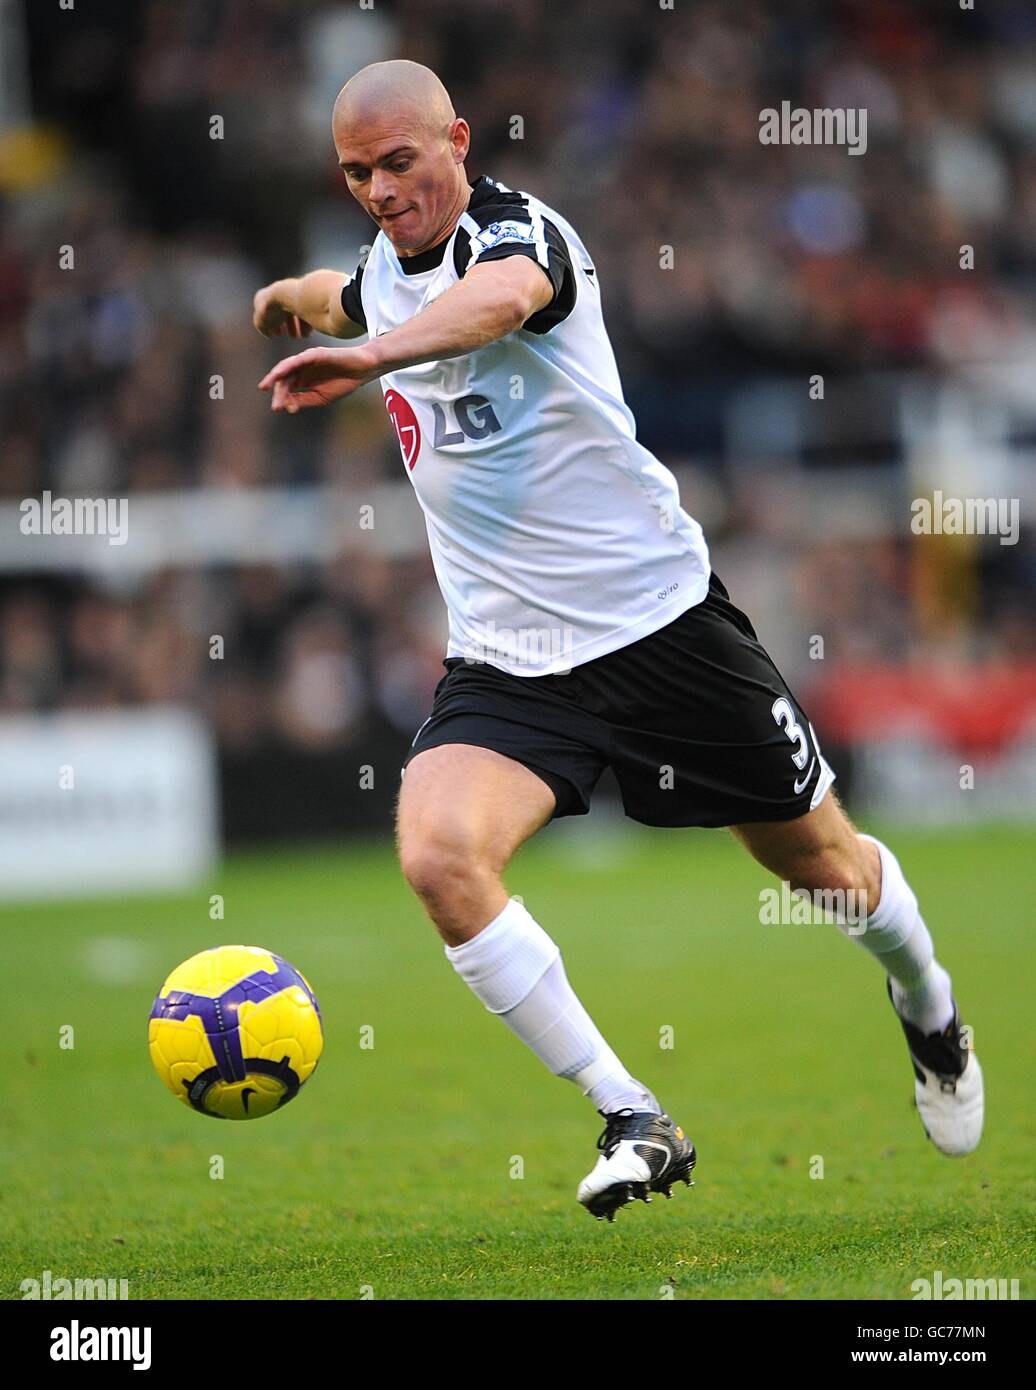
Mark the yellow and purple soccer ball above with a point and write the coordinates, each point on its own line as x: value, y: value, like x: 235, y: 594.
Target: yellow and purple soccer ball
x: 235, y: 1032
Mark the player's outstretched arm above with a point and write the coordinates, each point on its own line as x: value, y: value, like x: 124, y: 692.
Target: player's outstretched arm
x: 492, y: 300
x: 292, y: 308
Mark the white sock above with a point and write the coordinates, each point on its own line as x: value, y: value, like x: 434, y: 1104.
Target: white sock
x: 516, y: 970
x: 898, y: 938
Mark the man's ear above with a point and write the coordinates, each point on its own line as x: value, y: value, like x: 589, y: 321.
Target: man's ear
x: 460, y: 139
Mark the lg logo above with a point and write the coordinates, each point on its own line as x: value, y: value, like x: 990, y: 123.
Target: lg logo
x: 473, y: 417
x: 467, y: 418
x: 408, y: 431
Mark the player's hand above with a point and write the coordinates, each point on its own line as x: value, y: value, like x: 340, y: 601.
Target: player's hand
x: 273, y: 319
x: 318, y: 376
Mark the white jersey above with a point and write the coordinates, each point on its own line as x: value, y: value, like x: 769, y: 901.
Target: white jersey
x: 555, y: 536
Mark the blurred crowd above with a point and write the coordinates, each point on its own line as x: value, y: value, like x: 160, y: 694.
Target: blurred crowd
x: 181, y: 150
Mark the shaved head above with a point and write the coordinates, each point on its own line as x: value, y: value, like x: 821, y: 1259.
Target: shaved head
x: 410, y: 91
x: 402, y: 148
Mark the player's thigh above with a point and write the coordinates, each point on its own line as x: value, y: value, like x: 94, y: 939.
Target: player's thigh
x: 468, y: 801
x: 821, y: 844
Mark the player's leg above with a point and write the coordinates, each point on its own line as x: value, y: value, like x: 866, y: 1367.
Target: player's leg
x: 463, y: 812
x: 821, y: 851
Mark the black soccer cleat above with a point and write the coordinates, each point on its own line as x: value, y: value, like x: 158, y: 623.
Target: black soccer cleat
x: 948, y: 1085
x: 641, y: 1153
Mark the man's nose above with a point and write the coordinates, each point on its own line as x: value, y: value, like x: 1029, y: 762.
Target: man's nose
x: 383, y: 187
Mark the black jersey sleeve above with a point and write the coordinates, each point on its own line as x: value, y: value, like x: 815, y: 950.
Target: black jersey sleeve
x: 510, y: 228
x: 352, y: 304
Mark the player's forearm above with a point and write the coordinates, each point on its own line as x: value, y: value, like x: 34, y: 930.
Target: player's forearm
x: 317, y: 298
x: 469, y: 315
x: 490, y: 302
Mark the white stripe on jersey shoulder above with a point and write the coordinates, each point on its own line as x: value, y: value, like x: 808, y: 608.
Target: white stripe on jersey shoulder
x: 473, y: 229
x: 539, y: 236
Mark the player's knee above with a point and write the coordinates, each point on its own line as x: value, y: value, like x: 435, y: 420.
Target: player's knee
x: 439, y: 868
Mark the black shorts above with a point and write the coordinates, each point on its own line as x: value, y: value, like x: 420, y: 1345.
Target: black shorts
x: 695, y: 721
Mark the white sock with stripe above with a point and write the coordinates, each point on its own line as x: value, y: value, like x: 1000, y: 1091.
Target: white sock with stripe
x: 515, y: 969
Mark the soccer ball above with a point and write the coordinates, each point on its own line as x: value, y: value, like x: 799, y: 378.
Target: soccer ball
x: 235, y: 1032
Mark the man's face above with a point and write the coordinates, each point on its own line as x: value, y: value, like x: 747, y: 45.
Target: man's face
x: 409, y: 180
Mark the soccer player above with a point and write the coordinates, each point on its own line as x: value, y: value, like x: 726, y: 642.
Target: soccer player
x: 586, y: 629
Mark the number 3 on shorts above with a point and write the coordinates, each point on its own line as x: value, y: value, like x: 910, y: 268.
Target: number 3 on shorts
x: 785, y: 716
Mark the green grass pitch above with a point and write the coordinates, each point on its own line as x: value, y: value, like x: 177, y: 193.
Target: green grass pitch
x: 394, y: 1170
